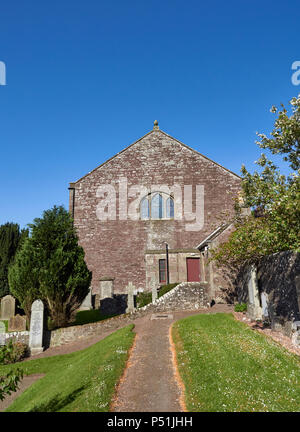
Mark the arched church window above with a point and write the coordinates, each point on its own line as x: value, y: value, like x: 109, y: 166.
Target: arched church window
x: 157, y: 205
x: 170, y: 208
x: 145, y: 208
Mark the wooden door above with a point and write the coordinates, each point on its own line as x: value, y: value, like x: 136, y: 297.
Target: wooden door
x: 193, y: 269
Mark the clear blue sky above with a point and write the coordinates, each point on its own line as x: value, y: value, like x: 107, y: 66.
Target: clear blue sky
x: 87, y: 78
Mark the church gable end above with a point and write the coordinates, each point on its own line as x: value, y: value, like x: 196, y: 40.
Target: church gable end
x: 130, y: 247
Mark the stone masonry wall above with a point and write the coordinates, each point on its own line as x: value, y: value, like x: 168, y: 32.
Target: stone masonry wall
x: 185, y: 296
x: 18, y: 336
x: 69, y: 334
x: 278, y: 277
x: 277, y: 288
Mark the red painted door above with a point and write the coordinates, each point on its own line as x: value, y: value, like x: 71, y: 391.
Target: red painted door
x: 193, y: 269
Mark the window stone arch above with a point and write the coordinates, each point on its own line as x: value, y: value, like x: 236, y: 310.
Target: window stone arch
x: 157, y: 205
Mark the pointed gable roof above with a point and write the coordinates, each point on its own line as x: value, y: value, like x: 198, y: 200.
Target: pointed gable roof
x: 154, y: 130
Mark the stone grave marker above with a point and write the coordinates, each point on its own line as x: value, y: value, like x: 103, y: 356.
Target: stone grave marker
x: 2, y: 333
x: 17, y: 323
x: 106, y: 289
x: 36, y: 327
x: 87, y: 302
x: 130, y: 297
x: 8, y: 305
x: 154, y: 290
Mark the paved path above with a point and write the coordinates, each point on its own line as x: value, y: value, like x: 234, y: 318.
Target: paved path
x: 149, y: 383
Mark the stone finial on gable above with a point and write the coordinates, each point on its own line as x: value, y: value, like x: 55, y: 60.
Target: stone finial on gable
x: 155, y: 127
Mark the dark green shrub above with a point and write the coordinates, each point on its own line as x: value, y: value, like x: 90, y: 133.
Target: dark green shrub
x: 13, y: 352
x: 89, y: 316
x: 143, y: 298
x: 240, y: 307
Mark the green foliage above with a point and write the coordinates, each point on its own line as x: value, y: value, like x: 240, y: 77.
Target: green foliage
x: 166, y: 288
x: 13, y: 352
x: 143, y: 298
x: 10, y: 240
x: 240, y: 307
x: 50, y: 266
x: 9, y: 381
x: 5, y: 322
x: 285, y: 137
x: 274, y: 224
x: 23, y: 276
x: 226, y: 366
x: 83, y: 381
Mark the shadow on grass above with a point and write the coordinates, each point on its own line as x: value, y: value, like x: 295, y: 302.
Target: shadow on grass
x: 57, y: 402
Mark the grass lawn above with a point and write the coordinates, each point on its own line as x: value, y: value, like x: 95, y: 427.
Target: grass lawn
x: 226, y: 366
x: 81, y: 381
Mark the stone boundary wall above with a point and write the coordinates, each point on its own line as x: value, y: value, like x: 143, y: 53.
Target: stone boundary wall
x: 272, y: 290
x: 17, y: 336
x: 70, y: 334
x: 185, y: 296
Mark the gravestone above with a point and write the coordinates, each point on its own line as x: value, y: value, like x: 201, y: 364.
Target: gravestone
x: 2, y: 333
x: 8, y: 305
x: 87, y: 302
x: 264, y: 305
x: 130, y: 297
x: 154, y: 290
x: 106, y: 288
x: 254, y: 308
x: 17, y: 323
x: 36, y: 327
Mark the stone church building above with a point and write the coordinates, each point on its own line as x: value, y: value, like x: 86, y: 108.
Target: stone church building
x: 148, y: 214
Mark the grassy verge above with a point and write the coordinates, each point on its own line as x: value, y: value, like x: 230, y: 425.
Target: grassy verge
x: 89, y: 316
x: 81, y: 381
x: 226, y: 366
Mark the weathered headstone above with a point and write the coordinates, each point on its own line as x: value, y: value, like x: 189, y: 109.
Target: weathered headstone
x: 87, y: 302
x: 8, y: 306
x: 154, y: 290
x: 254, y: 308
x: 17, y: 323
x: 130, y: 297
x: 36, y: 327
x: 106, y: 289
x: 264, y: 305
x: 2, y: 333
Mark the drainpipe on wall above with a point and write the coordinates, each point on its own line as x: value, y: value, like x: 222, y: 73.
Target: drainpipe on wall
x: 72, y: 200
x: 167, y: 263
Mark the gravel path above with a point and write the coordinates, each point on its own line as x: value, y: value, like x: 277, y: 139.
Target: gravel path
x: 150, y: 382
